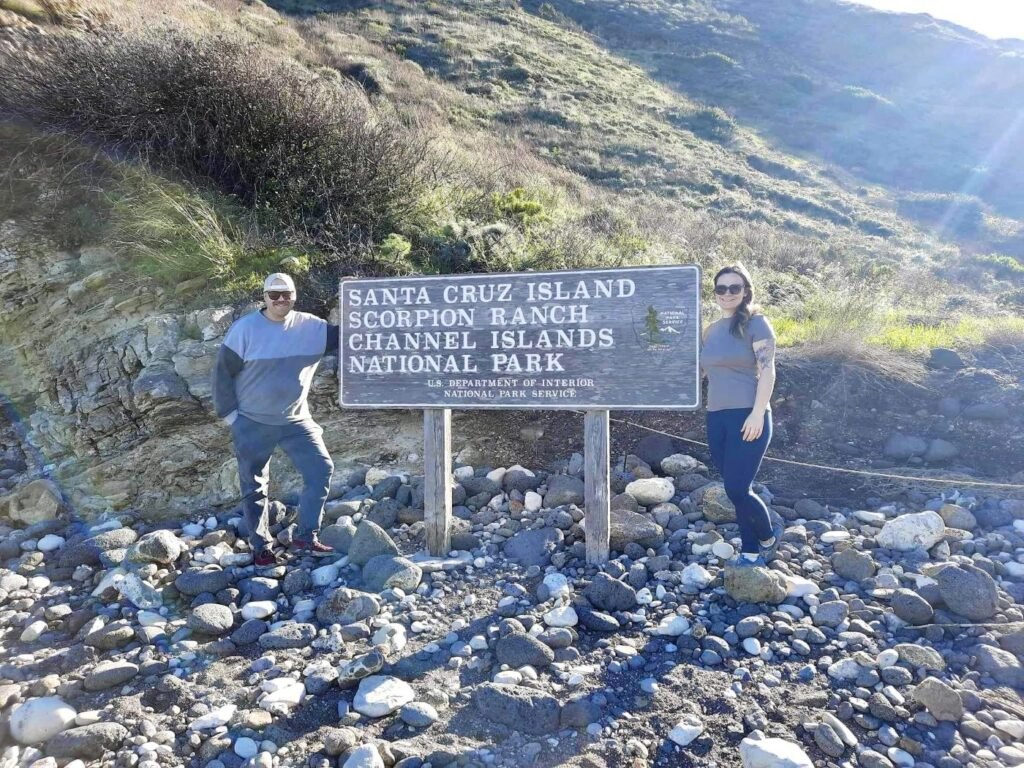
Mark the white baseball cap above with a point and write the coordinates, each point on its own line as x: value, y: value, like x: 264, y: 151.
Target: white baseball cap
x: 279, y: 281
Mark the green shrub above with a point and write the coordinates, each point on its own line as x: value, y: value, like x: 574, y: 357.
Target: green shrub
x: 518, y: 206
x: 1003, y: 267
x: 710, y: 123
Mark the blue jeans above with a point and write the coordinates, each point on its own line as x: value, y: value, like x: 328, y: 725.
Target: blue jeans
x: 303, y: 443
x: 738, y: 461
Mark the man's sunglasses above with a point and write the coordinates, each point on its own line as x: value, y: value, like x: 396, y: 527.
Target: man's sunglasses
x: 275, y: 295
x: 734, y: 289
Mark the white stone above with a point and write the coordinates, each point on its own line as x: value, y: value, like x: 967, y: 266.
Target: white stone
x: 150, y: 619
x: 752, y: 646
x: 563, y: 616
x: 365, y: 756
x: 901, y: 757
x: 39, y: 583
x: 723, y: 550
x: 214, y: 719
x: 887, y: 658
x: 391, y: 635
x: 871, y: 518
x: 39, y: 720
x: 649, y: 491
x: 32, y: 632
x: 1014, y: 570
x: 290, y: 695
x: 773, y: 753
x: 798, y: 586
x: 644, y: 596
x: 497, y: 475
x: 1015, y: 728
x: 50, y: 542
x: 557, y: 584
x: 672, y: 626
x: 695, y: 576
x: 192, y: 530
x: 911, y: 531
x: 844, y: 669
x: 324, y: 575
x: 533, y: 501
x: 686, y: 730
x: 461, y: 473
x: 246, y: 747
x: 833, y: 537
x: 13, y: 581
x: 375, y: 475
x: 380, y: 695
x: 509, y: 677
x: 478, y: 643
x: 259, y: 609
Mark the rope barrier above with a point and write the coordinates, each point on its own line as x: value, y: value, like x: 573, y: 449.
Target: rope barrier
x: 864, y: 472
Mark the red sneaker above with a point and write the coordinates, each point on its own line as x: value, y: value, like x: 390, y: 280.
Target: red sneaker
x: 265, y: 558
x: 314, y: 546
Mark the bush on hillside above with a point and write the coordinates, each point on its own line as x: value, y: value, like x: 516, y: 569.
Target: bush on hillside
x: 310, y: 151
x: 957, y: 215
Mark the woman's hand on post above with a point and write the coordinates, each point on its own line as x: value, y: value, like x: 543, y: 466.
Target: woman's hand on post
x: 753, y: 426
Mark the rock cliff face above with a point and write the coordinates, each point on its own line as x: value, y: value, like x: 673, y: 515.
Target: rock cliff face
x: 110, y: 381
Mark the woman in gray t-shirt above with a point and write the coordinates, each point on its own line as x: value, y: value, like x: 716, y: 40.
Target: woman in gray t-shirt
x: 738, y: 357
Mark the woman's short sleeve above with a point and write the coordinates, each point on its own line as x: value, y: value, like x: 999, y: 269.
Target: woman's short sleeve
x: 760, y: 329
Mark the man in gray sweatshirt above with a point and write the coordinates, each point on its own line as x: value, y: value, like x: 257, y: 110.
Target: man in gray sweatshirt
x: 260, y: 386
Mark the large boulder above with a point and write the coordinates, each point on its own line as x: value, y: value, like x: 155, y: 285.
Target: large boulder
x: 534, y: 546
x: 755, y: 585
x: 380, y: 695
x: 941, y: 701
x: 161, y: 547
x: 519, y: 649
x: 387, y: 571
x: 854, y: 565
x: 369, y: 541
x: 716, y: 504
x: 914, y: 530
x: 969, y: 591
x: 562, y: 490
x: 629, y: 527
x: 346, y: 606
x: 36, y: 502
x: 87, y: 742
x: 902, y: 447
x: 608, y: 594
x: 38, y: 720
x: 1002, y: 666
x: 650, y: 491
x: 522, y: 709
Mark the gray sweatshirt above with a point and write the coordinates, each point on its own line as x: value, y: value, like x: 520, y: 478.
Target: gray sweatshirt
x: 264, y: 369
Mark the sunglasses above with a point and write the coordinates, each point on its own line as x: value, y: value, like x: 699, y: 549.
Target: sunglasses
x: 734, y: 289
x: 275, y: 295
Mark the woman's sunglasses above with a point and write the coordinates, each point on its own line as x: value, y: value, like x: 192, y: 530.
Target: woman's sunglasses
x: 275, y: 295
x: 734, y: 289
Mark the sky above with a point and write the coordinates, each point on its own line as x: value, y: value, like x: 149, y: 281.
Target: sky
x: 995, y: 18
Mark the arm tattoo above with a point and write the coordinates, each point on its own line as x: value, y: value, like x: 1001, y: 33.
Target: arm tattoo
x: 764, y: 353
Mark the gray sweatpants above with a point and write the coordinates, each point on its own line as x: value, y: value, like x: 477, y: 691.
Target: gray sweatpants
x: 303, y: 443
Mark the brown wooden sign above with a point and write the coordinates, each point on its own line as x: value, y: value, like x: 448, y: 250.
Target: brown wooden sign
x: 608, y: 338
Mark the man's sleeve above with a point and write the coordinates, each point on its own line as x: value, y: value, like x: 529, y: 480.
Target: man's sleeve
x: 225, y: 399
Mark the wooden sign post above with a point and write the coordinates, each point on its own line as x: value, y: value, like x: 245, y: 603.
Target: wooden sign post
x: 597, y: 486
x: 591, y: 340
x: 437, y: 486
